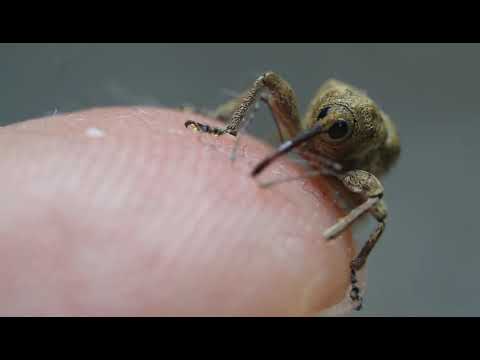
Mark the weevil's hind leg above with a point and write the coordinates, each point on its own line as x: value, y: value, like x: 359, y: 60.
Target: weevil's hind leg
x: 281, y: 101
x: 367, y: 185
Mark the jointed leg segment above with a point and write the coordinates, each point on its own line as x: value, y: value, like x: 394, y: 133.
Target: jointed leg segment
x: 367, y: 185
x: 281, y: 101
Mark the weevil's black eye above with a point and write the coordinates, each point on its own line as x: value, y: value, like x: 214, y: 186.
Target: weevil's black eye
x: 339, y: 129
x: 323, y: 112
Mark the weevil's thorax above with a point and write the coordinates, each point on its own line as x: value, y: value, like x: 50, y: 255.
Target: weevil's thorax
x: 366, y: 129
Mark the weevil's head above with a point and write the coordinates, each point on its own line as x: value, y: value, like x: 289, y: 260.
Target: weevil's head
x: 352, y: 123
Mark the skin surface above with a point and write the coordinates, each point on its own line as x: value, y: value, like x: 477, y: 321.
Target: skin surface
x: 124, y: 211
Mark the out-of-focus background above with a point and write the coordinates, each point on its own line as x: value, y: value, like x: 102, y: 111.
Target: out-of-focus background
x: 428, y: 260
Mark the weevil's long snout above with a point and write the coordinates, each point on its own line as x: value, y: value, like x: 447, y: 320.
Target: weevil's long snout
x: 286, y: 147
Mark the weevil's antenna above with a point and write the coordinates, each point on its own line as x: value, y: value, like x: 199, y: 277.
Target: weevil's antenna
x: 286, y: 147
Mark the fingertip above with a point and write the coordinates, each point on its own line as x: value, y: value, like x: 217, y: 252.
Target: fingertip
x: 215, y: 242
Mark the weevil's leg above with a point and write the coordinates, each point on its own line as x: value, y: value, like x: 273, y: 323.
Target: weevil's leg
x: 379, y: 211
x: 225, y: 111
x: 359, y: 182
x: 355, y: 291
x: 367, y: 185
x: 282, y: 102
x: 251, y: 116
x: 347, y: 220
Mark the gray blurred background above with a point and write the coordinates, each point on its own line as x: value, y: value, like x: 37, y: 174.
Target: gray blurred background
x: 427, y: 261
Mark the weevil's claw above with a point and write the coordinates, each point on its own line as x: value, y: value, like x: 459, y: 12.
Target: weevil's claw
x: 359, y: 306
x: 355, y: 292
x: 189, y: 124
x: 196, y: 126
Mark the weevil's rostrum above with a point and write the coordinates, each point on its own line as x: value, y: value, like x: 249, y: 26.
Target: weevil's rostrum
x: 344, y: 134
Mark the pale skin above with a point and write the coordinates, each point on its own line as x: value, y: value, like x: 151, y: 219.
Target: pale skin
x: 122, y: 211
x: 344, y: 134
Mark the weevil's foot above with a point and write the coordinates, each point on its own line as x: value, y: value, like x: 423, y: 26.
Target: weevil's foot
x: 196, y: 126
x: 359, y: 305
x: 357, y: 300
x: 355, y: 292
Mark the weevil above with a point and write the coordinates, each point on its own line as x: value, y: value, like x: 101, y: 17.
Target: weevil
x: 344, y: 134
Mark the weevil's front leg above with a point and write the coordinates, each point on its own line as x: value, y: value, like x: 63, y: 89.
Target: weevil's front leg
x: 362, y: 256
x: 380, y: 213
x: 224, y: 111
x: 367, y: 185
x: 281, y: 101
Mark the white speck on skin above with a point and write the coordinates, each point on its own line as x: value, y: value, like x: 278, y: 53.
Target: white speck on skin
x: 94, y: 132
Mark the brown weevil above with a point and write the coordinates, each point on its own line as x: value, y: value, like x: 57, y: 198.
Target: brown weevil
x: 344, y: 134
